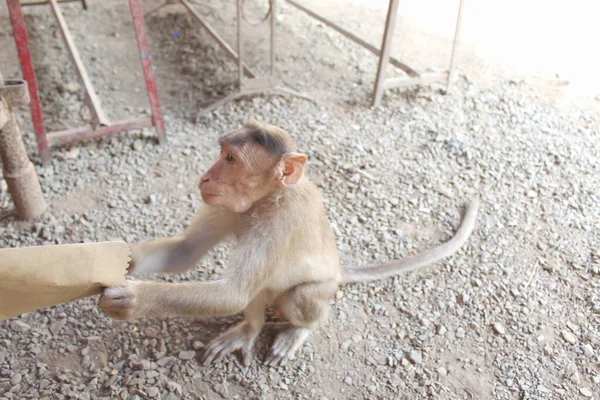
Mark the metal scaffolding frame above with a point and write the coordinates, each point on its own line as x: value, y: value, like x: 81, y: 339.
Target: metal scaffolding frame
x: 100, y: 126
x: 384, y: 53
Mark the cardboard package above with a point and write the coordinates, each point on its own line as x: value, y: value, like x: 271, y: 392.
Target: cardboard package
x: 32, y: 278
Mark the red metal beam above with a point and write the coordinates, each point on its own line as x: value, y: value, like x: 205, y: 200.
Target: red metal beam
x: 87, y: 132
x: 45, y: 2
x: 44, y: 139
x: 142, y: 40
x: 22, y: 41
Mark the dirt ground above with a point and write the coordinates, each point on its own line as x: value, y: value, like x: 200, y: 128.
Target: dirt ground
x: 515, y: 314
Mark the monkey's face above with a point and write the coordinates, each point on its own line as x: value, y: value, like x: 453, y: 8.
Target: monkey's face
x: 241, y: 176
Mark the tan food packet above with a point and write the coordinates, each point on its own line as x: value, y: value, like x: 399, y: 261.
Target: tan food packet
x: 41, y: 276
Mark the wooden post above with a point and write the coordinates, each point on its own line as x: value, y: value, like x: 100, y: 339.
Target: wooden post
x: 18, y: 171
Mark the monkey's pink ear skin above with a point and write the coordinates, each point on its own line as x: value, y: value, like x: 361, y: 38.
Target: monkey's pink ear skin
x: 293, y: 168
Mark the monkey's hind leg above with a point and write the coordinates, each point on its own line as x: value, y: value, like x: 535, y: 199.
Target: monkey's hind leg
x: 304, y: 306
x: 240, y: 337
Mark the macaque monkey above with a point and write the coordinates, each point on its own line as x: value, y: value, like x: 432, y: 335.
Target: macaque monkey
x: 286, y: 253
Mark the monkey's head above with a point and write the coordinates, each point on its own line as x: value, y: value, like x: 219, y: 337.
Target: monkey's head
x: 256, y: 161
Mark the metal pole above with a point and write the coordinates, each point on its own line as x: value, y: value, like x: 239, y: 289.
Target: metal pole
x: 396, y: 63
x: 91, y: 98
x: 273, y: 23
x: 230, y: 52
x: 18, y: 171
x: 386, y: 49
x: 146, y: 59
x: 240, y: 45
x: 455, y: 44
x: 22, y: 41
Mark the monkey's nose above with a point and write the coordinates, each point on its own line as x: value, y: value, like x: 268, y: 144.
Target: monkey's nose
x: 203, y: 179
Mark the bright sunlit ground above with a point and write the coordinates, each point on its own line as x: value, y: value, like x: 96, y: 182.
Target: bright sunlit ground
x: 551, y: 43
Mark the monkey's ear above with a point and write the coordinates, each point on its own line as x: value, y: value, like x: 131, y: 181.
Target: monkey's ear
x: 292, y: 168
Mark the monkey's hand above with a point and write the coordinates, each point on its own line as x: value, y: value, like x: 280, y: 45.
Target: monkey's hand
x: 122, y: 302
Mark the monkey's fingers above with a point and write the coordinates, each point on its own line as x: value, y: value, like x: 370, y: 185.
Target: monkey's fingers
x: 118, y: 302
x: 216, y: 352
x: 275, y: 360
x: 247, y: 354
x: 237, y: 338
x: 124, y: 293
x: 284, y: 346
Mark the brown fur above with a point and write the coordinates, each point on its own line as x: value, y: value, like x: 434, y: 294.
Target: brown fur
x: 285, y: 255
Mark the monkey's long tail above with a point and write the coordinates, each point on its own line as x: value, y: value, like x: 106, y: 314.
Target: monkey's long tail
x: 353, y: 273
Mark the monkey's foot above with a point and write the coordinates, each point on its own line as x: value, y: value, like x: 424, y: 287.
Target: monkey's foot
x: 289, y: 339
x: 240, y: 337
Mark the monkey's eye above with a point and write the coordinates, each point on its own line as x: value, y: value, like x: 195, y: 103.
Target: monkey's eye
x: 230, y: 159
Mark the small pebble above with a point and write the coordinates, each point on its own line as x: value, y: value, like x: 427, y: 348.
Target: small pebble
x: 16, y: 379
x: 346, y: 344
x: 197, y: 345
x: 588, y: 350
x: 72, y: 153
x: 441, y: 330
x: 531, y: 193
x: 165, y: 361
x: 151, y: 332
x: 187, y: 355
x: 19, y: 326
x: 415, y: 357
x: 499, y: 328
x: 569, y: 337
x: 543, y: 389
x: 138, y: 145
x: 173, y: 386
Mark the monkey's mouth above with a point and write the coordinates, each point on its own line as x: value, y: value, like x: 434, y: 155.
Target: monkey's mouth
x: 207, y: 194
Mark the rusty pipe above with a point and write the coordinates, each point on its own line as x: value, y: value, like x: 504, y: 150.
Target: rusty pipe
x: 18, y: 171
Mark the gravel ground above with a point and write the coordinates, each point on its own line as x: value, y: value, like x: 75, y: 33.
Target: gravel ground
x: 515, y: 314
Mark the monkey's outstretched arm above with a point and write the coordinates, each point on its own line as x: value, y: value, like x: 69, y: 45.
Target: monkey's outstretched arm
x: 177, y: 254
x: 136, y: 299
x: 395, y: 267
x: 249, y: 271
